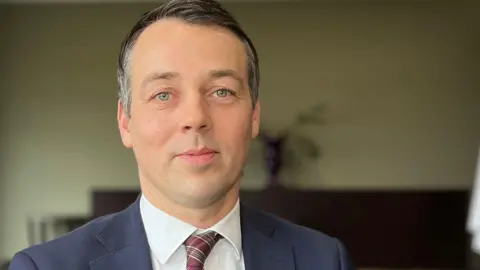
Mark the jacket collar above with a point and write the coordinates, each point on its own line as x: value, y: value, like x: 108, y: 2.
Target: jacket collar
x: 264, y: 245
x: 125, y: 241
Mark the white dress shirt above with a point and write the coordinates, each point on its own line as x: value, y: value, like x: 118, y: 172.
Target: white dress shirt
x: 166, y: 235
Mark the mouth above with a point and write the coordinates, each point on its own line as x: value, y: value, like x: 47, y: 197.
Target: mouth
x: 198, y: 157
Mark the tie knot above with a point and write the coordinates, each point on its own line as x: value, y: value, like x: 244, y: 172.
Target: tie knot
x: 198, y: 248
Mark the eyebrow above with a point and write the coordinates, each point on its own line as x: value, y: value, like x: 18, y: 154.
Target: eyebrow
x: 220, y: 73
x: 159, y: 76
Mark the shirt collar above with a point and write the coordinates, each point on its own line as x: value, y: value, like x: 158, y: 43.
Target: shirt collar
x: 166, y: 233
x: 229, y: 227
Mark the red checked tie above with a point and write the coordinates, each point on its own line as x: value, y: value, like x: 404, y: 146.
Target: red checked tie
x: 198, y: 248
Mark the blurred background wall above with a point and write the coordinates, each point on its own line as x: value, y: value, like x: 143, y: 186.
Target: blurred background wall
x: 399, y: 79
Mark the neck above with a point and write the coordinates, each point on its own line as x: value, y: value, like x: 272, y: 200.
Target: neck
x: 202, y: 217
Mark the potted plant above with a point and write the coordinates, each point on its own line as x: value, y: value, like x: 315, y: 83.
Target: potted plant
x: 275, y: 153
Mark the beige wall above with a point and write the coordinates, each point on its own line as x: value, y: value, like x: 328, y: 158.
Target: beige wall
x: 3, y: 130
x: 403, y: 100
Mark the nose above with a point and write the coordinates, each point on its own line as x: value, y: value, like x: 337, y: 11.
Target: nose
x: 195, y: 115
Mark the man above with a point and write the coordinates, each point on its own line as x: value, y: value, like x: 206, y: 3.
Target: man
x: 189, y: 109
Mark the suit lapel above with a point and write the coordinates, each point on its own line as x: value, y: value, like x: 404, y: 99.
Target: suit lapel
x: 126, y: 243
x: 131, y: 257
x: 262, y: 251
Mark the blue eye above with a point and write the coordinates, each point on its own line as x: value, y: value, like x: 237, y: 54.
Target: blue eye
x: 223, y: 92
x: 163, y: 96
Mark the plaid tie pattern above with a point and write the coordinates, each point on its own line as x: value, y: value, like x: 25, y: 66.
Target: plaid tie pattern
x: 198, y: 248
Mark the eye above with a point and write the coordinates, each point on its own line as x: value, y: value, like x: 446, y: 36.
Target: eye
x: 223, y: 93
x: 162, y: 96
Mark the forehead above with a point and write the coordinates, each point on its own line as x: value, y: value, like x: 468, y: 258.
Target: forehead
x: 173, y: 45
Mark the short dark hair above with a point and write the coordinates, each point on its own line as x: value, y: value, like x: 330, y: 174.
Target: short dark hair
x: 202, y: 12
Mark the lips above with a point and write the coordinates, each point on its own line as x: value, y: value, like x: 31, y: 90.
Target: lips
x: 198, y: 157
x: 199, y: 152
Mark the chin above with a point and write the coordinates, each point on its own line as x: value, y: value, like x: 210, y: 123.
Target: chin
x: 197, y: 201
x: 204, y: 193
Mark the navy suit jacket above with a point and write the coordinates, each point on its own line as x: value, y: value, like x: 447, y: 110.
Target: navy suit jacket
x: 118, y: 242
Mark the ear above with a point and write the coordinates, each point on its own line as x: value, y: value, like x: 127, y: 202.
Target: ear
x: 124, y: 125
x: 256, y: 120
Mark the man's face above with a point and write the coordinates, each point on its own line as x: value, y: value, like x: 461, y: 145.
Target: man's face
x: 192, y: 119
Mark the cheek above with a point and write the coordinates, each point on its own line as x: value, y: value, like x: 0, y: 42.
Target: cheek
x: 234, y: 131
x: 151, y: 130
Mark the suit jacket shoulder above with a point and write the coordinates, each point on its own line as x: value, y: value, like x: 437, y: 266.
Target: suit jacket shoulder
x: 310, y: 247
x: 71, y: 251
x: 115, y: 241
